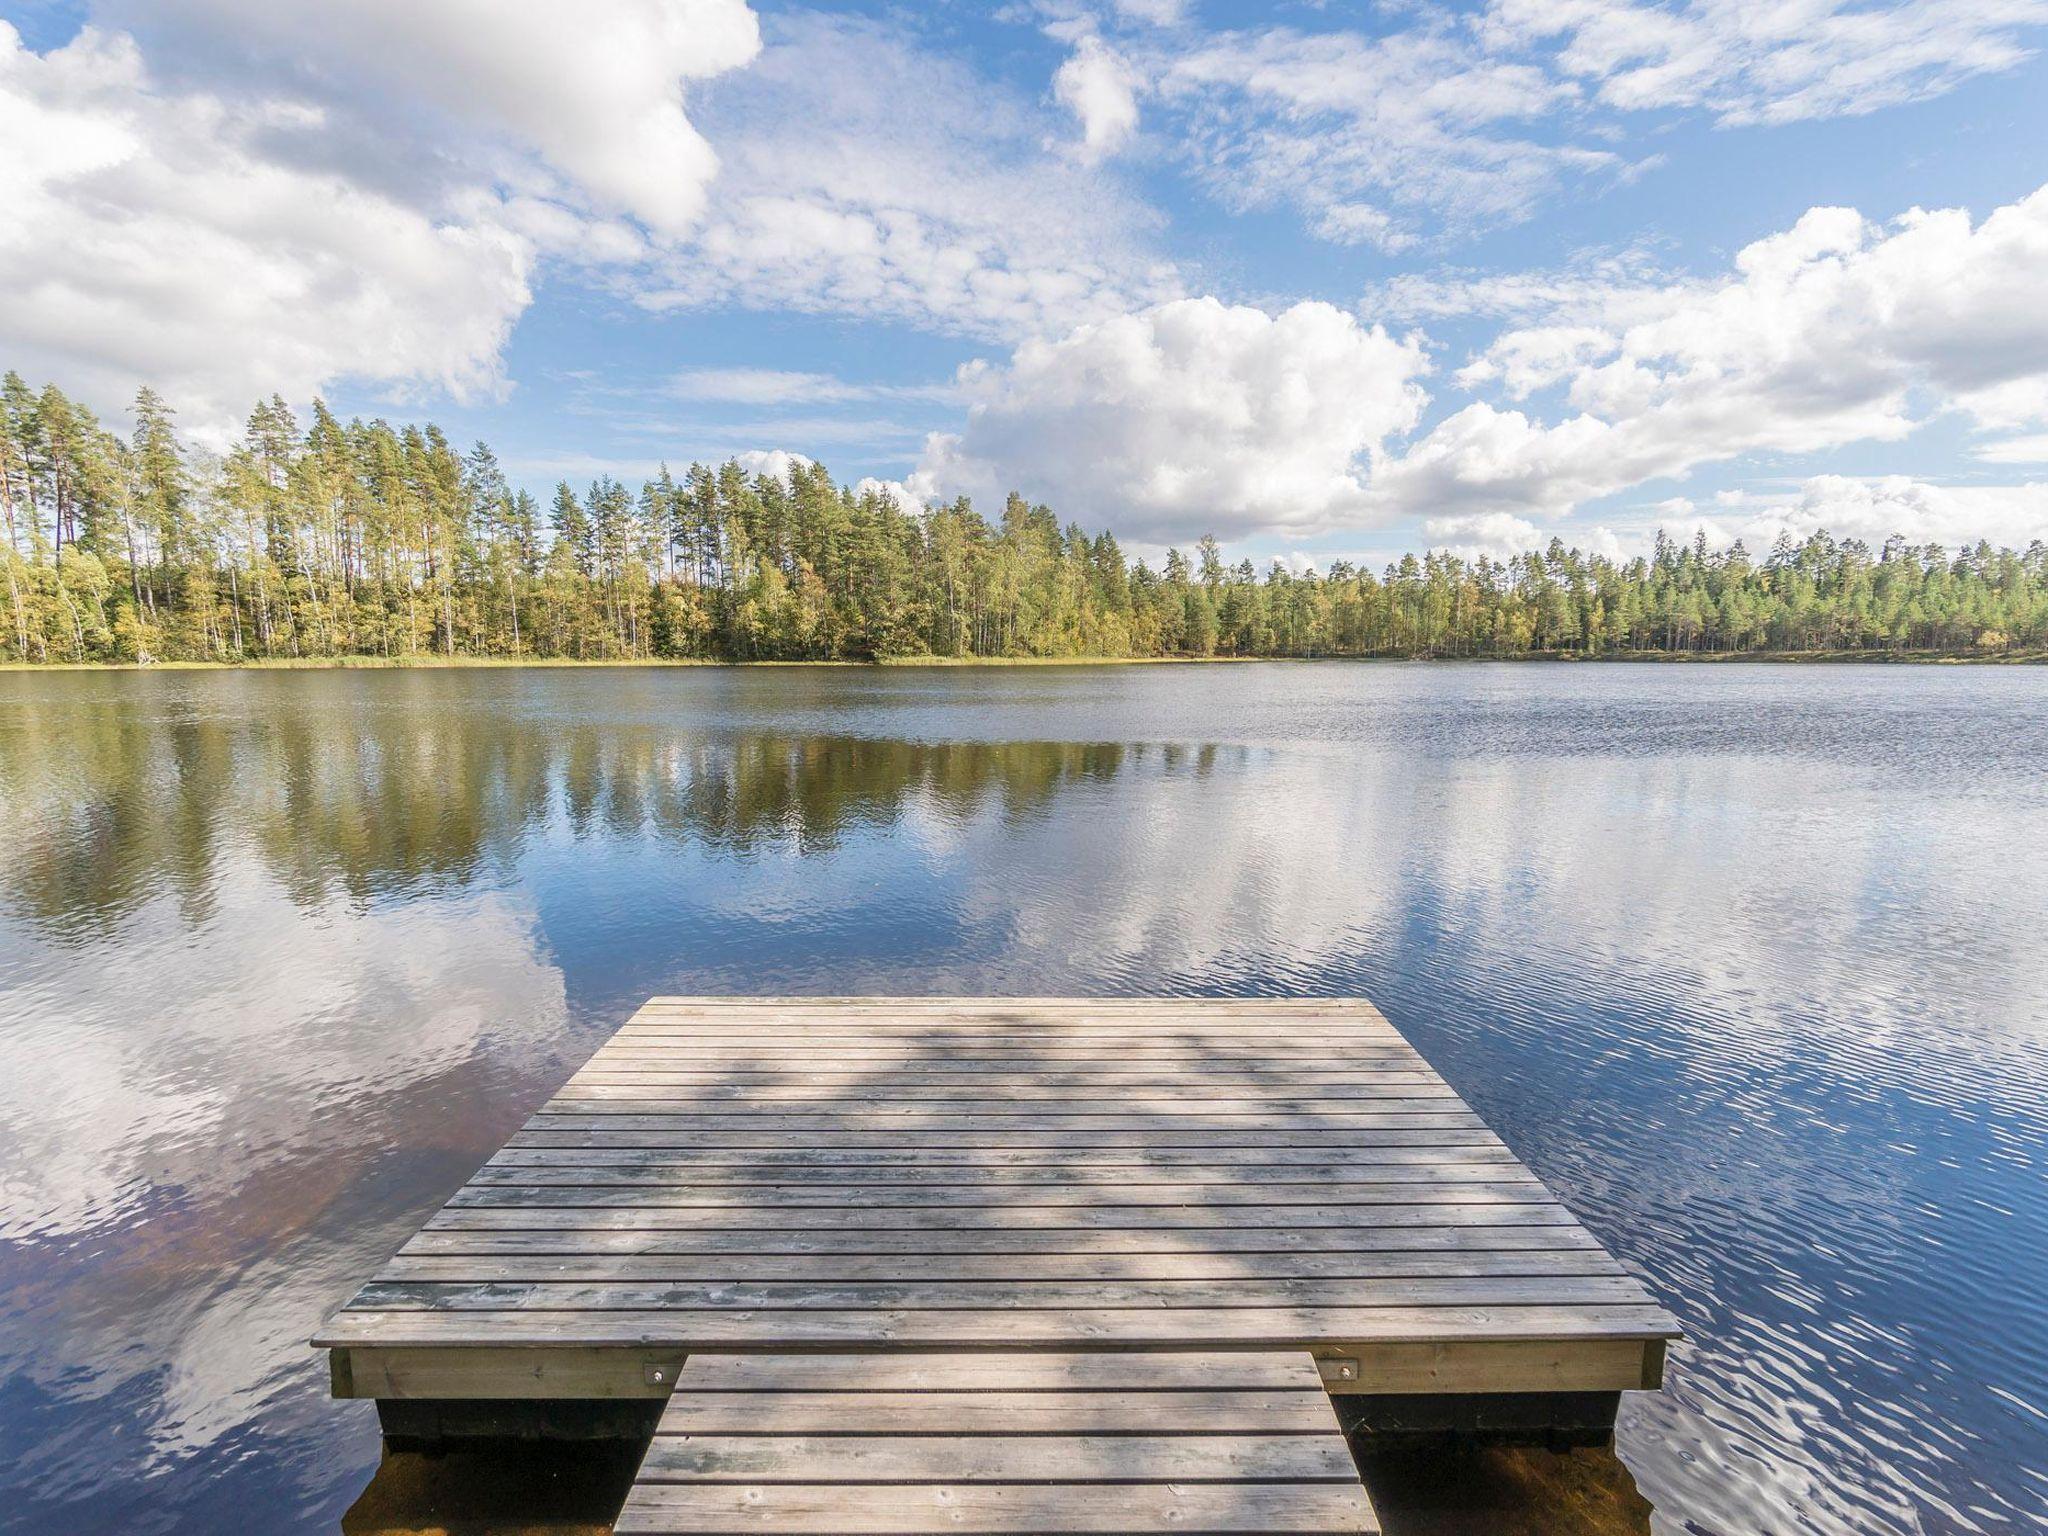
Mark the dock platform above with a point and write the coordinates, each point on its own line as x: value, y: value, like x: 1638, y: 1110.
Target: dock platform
x: 836, y: 1189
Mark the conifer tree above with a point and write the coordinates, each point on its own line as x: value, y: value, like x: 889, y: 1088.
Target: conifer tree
x: 332, y: 538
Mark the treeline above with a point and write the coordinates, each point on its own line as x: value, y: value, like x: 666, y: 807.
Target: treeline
x: 324, y: 538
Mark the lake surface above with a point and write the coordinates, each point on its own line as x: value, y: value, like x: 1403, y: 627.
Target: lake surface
x: 1749, y: 962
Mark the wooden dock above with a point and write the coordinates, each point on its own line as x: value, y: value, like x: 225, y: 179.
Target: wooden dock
x: 990, y: 1442
x: 834, y: 1191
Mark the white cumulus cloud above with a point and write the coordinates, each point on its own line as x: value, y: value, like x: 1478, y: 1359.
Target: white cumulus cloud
x: 1835, y: 331
x: 1494, y: 535
x: 231, y: 199
x: 1876, y: 508
x: 596, y: 89
x: 154, y: 236
x: 1099, y: 87
x: 775, y: 463
x: 1188, y: 417
x: 1872, y: 508
x: 901, y: 494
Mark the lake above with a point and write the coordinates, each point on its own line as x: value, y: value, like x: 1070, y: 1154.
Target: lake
x: 1750, y: 962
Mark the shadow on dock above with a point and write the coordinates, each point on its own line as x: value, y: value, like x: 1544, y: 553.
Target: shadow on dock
x: 528, y: 1489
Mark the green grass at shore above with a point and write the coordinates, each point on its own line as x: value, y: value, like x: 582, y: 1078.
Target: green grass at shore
x: 461, y: 663
x: 570, y: 663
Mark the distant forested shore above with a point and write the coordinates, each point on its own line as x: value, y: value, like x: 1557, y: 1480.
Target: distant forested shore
x: 324, y: 540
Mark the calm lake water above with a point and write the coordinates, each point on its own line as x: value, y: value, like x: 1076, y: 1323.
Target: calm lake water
x: 1749, y: 962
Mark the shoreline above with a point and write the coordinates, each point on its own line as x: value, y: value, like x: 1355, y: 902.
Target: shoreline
x: 490, y: 663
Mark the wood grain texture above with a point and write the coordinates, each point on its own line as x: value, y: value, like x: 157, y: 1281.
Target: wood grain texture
x: 919, y: 1174
x: 867, y: 1328
x: 997, y: 1443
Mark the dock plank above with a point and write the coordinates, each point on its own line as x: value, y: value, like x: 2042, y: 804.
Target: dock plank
x: 1222, y: 1244
x: 945, y: 1162
x: 955, y: 1267
x: 1013, y: 1216
x: 570, y: 1169
x: 1073, y: 1327
x: 969, y: 1295
x: 841, y: 1195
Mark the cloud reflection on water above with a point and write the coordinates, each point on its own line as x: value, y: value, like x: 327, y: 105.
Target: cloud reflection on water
x: 1747, y: 965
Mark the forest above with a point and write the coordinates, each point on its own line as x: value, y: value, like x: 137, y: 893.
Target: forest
x: 329, y: 539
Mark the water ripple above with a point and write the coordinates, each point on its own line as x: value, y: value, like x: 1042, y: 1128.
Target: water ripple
x: 1745, y: 961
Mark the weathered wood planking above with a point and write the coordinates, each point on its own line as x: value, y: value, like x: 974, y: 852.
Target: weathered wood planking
x: 998, y: 1443
x: 923, y: 1174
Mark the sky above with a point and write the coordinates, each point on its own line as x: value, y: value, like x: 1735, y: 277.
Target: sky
x: 1328, y: 281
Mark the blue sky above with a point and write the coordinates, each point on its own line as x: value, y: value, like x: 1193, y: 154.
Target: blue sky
x: 1328, y: 280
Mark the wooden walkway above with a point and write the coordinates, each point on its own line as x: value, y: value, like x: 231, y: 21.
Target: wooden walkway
x: 934, y: 1184
x: 903, y: 1443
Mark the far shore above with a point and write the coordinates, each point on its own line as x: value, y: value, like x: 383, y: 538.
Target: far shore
x: 430, y: 663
